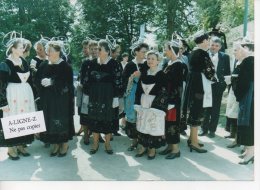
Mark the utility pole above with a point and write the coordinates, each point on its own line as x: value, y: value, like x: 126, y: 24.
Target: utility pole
x: 245, y: 17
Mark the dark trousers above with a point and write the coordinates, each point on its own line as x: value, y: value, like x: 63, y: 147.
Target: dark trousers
x: 211, y: 115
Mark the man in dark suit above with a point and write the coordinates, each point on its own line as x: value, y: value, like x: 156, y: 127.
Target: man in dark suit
x: 221, y: 62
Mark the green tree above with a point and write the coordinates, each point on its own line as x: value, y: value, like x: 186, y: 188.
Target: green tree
x: 35, y: 18
x: 232, y: 12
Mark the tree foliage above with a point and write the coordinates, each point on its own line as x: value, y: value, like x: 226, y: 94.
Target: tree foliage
x: 35, y: 18
x: 118, y: 18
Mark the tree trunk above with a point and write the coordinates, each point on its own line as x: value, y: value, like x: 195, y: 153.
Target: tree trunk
x: 170, y: 18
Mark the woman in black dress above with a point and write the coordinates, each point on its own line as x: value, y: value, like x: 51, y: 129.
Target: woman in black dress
x: 82, y: 104
x: 243, y: 87
x: 35, y: 64
x: 55, y: 81
x: 151, y: 107
x: 16, y: 96
x: 198, y: 90
x: 102, y: 82
x: 174, y: 75
x: 131, y: 75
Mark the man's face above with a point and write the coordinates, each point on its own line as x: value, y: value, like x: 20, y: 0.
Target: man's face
x: 214, y: 47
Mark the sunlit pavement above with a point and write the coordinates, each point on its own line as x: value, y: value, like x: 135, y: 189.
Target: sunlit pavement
x: 220, y: 163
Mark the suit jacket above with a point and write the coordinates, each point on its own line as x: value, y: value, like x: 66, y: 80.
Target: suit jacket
x: 223, y: 68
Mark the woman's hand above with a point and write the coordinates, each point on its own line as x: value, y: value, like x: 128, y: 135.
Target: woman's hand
x: 137, y: 74
x: 46, y: 82
x: 5, y: 109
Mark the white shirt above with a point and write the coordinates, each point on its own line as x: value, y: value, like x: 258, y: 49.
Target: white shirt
x: 214, y: 59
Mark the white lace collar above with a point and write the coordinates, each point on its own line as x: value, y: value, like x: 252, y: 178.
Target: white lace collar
x: 135, y: 61
x: 57, y: 62
x: 19, y: 63
x: 153, y: 73
x: 172, y: 62
x: 107, y: 60
x: 41, y: 58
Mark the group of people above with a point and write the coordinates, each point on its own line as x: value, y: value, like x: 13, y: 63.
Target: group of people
x: 155, y: 102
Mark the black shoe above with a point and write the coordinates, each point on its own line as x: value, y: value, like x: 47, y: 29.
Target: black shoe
x: 211, y: 135
x: 93, y: 151
x: 233, y: 145
x: 203, y: 133
x: 173, y: 155
x: 117, y: 134
x: 150, y: 157
x: 13, y: 157
x: 199, y: 150
x: 132, y: 147
x: 86, y: 142
x: 241, y: 156
x: 63, y: 154
x: 54, y: 153
x: 25, y: 154
x: 245, y: 162
x: 165, y: 151
x: 109, y: 151
x: 141, y: 154
x: 189, y: 143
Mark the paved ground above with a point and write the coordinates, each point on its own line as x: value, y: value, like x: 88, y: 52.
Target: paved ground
x: 219, y: 163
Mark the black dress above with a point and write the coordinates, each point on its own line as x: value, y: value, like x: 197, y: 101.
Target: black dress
x: 130, y: 68
x: 200, y: 62
x: 9, y: 76
x: 175, y: 77
x: 84, y: 82
x: 159, y: 103
x: 244, y: 91
x: 57, y: 102
x: 34, y: 86
x: 102, y: 84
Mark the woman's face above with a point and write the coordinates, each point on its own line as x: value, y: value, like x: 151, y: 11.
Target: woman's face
x: 236, y: 52
x: 167, y: 51
x: 206, y: 44
x: 18, y: 51
x: 53, y: 55
x: 116, y: 53
x: 152, y: 61
x: 141, y: 54
x: 102, y: 53
x: 40, y: 50
x: 125, y: 59
x: 85, y: 50
x: 93, y: 51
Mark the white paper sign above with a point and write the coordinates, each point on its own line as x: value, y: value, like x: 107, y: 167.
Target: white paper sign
x: 150, y: 121
x: 23, y: 124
